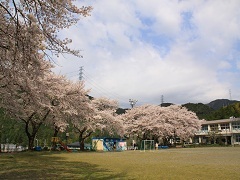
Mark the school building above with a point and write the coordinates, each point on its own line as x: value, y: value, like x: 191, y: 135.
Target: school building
x: 224, y: 131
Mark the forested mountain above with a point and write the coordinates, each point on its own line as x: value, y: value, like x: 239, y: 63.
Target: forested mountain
x: 201, y: 110
x: 219, y: 103
x: 166, y: 104
x: 217, y: 109
x: 212, y: 112
x: 226, y: 112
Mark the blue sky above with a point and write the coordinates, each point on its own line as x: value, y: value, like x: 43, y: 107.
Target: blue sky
x: 187, y: 51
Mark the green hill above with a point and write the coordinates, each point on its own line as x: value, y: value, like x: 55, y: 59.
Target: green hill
x: 226, y: 112
x: 217, y: 109
x: 166, y: 104
x: 201, y: 110
x: 219, y: 103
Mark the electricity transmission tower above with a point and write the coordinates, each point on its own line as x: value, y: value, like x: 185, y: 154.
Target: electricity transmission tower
x: 162, y: 99
x: 81, y: 73
x: 132, y: 102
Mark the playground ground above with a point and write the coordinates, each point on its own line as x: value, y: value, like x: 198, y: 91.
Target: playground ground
x: 179, y: 163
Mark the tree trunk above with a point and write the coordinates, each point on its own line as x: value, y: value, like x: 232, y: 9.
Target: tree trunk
x: 31, y: 142
x: 165, y: 141
x: 82, y: 137
x: 34, y: 127
x: 31, y: 136
x: 144, y: 136
x: 56, y: 130
x: 54, y: 143
x: 81, y: 143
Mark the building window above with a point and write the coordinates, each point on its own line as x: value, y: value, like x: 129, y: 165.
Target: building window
x: 236, y: 125
x: 204, y: 128
x: 238, y: 138
x: 214, y: 127
x: 224, y: 127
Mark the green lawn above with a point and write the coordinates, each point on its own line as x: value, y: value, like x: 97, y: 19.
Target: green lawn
x: 180, y: 163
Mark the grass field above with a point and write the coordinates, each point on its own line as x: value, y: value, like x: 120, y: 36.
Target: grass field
x: 181, y: 163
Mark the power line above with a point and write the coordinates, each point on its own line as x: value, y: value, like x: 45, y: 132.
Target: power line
x: 104, y: 91
x: 86, y: 75
x: 71, y: 72
x: 98, y: 89
x: 89, y: 81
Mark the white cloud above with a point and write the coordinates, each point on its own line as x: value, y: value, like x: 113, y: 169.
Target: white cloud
x: 164, y: 14
x: 183, y: 64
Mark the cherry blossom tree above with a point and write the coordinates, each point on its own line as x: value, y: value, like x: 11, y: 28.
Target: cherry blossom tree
x: 29, y: 32
x: 29, y: 91
x: 26, y: 99
x: 73, y: 106
x: 185, y: 122
x: 41, y: 18
x: 100, y: 114
x: 150, y: 121
x: 44, y: 99
x: 106, y: 116
x: 143, y: 121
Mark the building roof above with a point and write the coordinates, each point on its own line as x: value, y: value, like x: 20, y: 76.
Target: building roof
x: 108, y: 139
x: 76, y: 144
x: 221, y: 121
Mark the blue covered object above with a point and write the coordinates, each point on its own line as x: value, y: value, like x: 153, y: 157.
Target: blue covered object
x: 38, y: 148
x: 163, y: 147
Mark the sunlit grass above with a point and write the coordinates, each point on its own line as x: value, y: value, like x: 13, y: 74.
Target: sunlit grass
x: 182, y: 163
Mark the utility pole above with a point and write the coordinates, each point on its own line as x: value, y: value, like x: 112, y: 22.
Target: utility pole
x: 132, y: 102
x: 162, y: 99
x: 81, y: 73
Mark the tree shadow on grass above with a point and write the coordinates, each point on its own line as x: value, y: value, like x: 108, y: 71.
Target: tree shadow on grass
x: 37, y: 166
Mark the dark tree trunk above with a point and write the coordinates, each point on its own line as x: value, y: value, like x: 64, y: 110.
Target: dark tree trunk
x: 165, y: 141
x: 31, y: 142
x: 155, y: 138
x: 56, y: 130
x: 31, y: 136
x: 145, y: 136
x: 31, y: 125
x: 81, y: 142
x: 83, y: 134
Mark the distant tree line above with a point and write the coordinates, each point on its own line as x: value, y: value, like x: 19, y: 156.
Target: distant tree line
x: 217, y: 109
x: 205, y: 112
